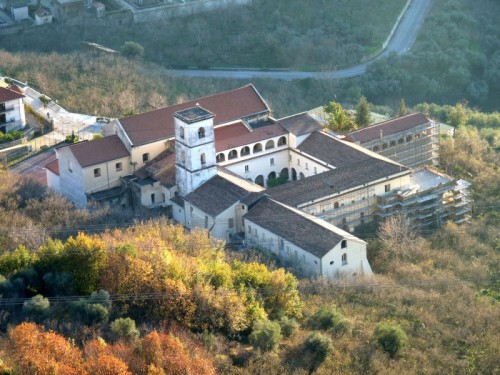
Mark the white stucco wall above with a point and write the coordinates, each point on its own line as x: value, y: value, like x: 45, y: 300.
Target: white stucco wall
x: 109, y: 175
x: 15, y: 117
x: 71, y: 181
x: 53, y: 181
x: 356, y: 263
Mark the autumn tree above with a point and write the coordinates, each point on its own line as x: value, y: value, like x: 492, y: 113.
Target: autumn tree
x: 338, y: 119
x: 37, y: 352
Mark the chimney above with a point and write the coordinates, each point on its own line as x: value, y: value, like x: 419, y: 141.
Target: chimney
x: 381, y: 133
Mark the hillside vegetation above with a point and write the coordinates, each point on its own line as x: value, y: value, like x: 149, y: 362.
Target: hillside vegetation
x: 262, y: 34
x: 134, y: 299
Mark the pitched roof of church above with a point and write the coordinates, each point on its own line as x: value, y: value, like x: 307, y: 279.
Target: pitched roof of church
x: 388, y: 127
x: 301, y: 124
x: 98, y: 151
x: 221, y: 192
x: 333, y: 151
x: 334, y: 181
x: 227, y: 106
x: 303, y: 230
x: 7, y: 94
x: 237, y: 134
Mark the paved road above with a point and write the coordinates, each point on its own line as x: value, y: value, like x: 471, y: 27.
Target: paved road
x: 401, y: 42
x: 34, y: 167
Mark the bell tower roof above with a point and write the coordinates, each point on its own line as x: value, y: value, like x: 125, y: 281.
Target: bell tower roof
x: 193, y: 115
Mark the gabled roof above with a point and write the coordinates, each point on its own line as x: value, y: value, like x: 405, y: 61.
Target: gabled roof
x: 388, y: 127
x: 161, y: 168
x: 8, y: 94
x: 332, y: 150
x: 53, y: 166
x: 227, y: 106
x: 305, y: 231
x: 334, y: 181
x: 99, y: 151
x: 237, y: 134
x: 300, y: 124
x: 221, y: 192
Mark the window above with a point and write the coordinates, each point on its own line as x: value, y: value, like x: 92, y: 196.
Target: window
x: 145, y: 157
x: 344, y: 259
x: 343, y: 244
x: 384, y: 146
x: 247, y: 168
x: 298, y: 161
x: 233, y: 154
x: 282, y: 141
x: 118, y: 167
x: 387, y: 188
x: 307, y: 166
x: 249, y: 230
x: 181, y: 132
x: 393, y: 143
x: 69, y: 166
x: 230, y: 223
x: 282, y: 244
x: 362, y: 215
x: 331, y: 263
x: 401, y: 140
x: 221, y: 157
x: 153, y: 198
x: 409, y: 138
x: 201, y: 133
x: 315, y: 170
x: 97, y: 172
x: 336, y: 205
x: 245, y: 151
x: 203, y: 159
x: 206, y: 221
x: 257, y: 148
x: 271, y: 161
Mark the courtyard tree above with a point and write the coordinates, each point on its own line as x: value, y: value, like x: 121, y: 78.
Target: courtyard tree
x: 338, y: 119
x: 363, y: 112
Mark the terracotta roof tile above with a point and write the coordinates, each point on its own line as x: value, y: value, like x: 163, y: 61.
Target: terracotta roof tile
x: 99, y: 151
x: 227, y: 106
x: 53, y: 166
x: 237, y: 134
x: 300, y: 124
x: 221, y: 192
x: 332, y: 150
x: 8, y: 94
x: 388, y: 127
x: 305, y: 231
x: 298, y: 192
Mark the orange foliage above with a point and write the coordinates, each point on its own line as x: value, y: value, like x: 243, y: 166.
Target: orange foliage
x: 35, y: 351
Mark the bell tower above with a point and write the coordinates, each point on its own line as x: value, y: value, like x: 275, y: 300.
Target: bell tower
x: 194, y: 148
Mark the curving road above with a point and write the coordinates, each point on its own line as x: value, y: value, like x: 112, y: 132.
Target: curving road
x: 400, y: 43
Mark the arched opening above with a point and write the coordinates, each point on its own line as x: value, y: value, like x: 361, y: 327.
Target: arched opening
x: 220, y: 158
x: 294, y: 174
x: 282, y: 141
x: 201, y: 133
x: 233, y: 154
x: 181, y: 132
x: 301, y: 176
x: 257, y: 148
x: 284, y: 173
x: 259, y: 180
x: 245, y: 151
x: 203, y: 159
x: 271, y: 176
x: 343, y: 244
x: 269, y: 144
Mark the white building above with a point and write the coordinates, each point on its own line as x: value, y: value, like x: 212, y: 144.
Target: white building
x: 12, y: 115
x: 206, y: 163
x: 43, y: 16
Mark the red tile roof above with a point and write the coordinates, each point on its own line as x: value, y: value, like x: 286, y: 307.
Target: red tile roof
x: 53, y: 166
x: 235, y: 135
x: 7, y: 94
x: 227, y: 106
x: 392, y: 126
x: 99, y: 151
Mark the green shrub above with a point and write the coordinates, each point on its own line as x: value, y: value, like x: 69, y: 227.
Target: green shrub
x: 37, y: 307
x: 331, y: 319
x: 288, y: 326
x: 124, y: 329
x: 391, y: 338
x: 317, y: 347
x: 266, y: 335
